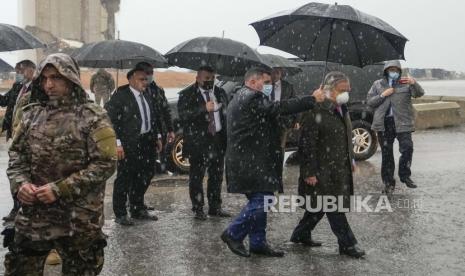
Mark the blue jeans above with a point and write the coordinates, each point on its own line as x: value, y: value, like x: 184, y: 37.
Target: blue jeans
x: 251, y: 221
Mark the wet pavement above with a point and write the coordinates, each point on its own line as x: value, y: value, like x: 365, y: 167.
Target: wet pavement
x: 424, y: 235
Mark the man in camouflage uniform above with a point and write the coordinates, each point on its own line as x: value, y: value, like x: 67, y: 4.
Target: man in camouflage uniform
x: 102, y: 84
x: 63, y: 152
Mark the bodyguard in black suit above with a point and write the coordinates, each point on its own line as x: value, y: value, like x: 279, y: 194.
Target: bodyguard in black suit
x: 282, y: 91
x: 136, y: 124
x: 24, y: 75
x: 202, y: 110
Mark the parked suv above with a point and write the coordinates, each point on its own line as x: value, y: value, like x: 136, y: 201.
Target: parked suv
x: 364, y: 139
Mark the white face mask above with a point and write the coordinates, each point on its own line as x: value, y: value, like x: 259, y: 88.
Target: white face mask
x: 342, y: 98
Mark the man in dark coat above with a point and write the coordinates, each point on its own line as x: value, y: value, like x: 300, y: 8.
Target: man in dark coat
x: 202, y: 110
x: 326, y: 164
x: 251, y: 158
x: 282, y: 90
x: 136, y: 124
x: 163, y: 110
x: 101, y: 85
x: 24, y: 75
x: 391, y: 99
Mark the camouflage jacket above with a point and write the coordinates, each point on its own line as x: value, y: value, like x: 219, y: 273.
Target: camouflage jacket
x: 72, y: 147
x: 102, y: 82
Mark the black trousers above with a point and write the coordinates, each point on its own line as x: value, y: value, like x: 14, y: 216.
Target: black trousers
x: 386, y: 141
x: 338, y: 222
x: 133, y: 177
x: 211, y: 161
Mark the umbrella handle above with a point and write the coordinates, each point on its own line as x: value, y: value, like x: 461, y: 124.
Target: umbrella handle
x: 327, y: 50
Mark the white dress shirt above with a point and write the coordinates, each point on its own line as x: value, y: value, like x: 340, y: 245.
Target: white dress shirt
x: 143, y: 130
x: 141, y: 102
x: 216, y: 113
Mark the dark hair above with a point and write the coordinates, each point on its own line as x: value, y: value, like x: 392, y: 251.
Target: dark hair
x: 144, y: 66
x: 206, y: 68
x: 26, y: 63
x: 133, y: 71
x: 256, y: 72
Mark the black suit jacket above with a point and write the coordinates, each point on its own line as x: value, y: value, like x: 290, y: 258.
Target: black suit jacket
x: 163, y: 109
x: 9, y: 100
x: 194, y: 119
x: 251, y: 163
x: 287, y: 92
x: 126, y: 118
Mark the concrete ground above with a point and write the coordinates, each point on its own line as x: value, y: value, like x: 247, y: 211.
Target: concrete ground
x: 422, y: 236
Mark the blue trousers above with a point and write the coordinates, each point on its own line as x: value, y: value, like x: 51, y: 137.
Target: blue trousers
x: 251, y: 221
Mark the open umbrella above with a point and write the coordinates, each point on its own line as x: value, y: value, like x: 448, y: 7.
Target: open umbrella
x: 14, y: 38
x: 118, y: 54
x: 336, y: 33
x: 5, y: 67
x: 228, y: 57
x: 289, y: 66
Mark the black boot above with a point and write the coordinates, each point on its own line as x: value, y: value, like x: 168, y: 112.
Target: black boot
x: 236, y: 247
x: 409, y: 182
x: 351, y: 251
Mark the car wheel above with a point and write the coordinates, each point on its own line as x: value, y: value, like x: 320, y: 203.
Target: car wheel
x: 176, y: 162
x: 364, y: 140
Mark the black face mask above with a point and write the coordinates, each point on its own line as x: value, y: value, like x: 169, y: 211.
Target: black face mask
x: 207, y: 85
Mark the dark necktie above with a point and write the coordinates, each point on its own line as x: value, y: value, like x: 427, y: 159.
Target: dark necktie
x: 272, y: 95
x: 144, y: 110
x: 211, y: 117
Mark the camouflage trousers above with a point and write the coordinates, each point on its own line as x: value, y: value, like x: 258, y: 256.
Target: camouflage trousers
x: 81, y: 255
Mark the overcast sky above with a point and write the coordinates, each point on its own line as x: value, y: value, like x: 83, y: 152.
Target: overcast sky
x: 435, y: 29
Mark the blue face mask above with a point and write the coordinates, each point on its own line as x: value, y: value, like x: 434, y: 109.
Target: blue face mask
x: 149, y: 79
x: 19, y: 77
x: 393, y: 75
x: 267, y: 89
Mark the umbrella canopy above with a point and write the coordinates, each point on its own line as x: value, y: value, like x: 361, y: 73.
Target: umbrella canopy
x: 228, y: 57
x: 336, y: 33
x: 5, y: 67
x: 14, y: 38
x: 289, y: 66
x: 118, y: 54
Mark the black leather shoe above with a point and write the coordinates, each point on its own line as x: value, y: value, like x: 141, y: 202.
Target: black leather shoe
x: 307, y: 242
x: 144, y: 215
x: 149, y: 208
x: 219, y: 213
x: 389, y: 187
x: 409, y: 182
x: 267, y: 251
x: 200, y: 215
x: 236, y: 247
x: 352, y: 251
x: 124, y: 220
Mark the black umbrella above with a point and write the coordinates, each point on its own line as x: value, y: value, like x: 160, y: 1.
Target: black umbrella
x: 5, y: 67
x: 336, y: 33
x: 118, y: 54
x: 289, y: 66
x: 228, y: 57
x: 14, y: 38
